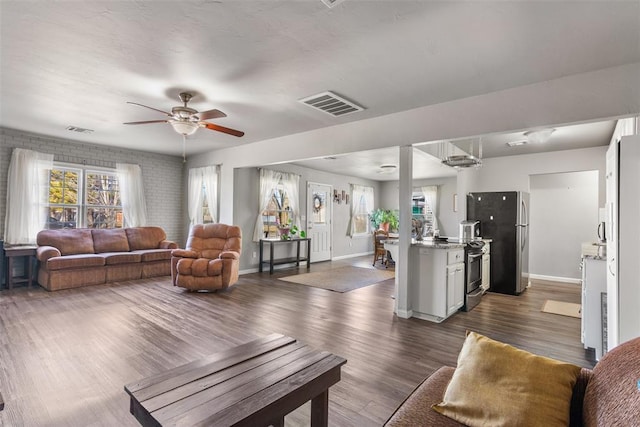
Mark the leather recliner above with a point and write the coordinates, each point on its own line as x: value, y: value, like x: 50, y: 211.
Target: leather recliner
x: 211, y: 260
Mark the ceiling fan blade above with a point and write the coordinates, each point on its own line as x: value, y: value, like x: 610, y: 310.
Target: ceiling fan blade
x: 210, y: 114
x: 223, y: 129
x: 146, y: 121
x: 151, y: 108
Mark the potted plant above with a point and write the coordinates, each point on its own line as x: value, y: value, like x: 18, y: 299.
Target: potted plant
x: 384, y: 219
x: 290, y: 229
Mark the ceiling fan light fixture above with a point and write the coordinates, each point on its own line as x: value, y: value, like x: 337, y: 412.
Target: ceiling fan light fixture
x: 184, y: 127
x: 538, y: 136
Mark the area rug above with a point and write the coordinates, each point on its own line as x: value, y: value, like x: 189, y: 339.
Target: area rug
x: 562, y: 308
x: 343, y: 279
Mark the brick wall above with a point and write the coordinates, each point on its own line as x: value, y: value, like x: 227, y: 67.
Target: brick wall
x: 162, y: 174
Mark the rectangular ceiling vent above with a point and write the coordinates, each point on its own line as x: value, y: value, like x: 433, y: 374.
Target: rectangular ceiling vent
x: 79, y: 130
x: 331, y: 3
x: 331, y: 103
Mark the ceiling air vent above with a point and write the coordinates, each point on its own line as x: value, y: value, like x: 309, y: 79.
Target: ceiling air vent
x: 331, y: 3
x: 332, y: 104
x: 79, y: 130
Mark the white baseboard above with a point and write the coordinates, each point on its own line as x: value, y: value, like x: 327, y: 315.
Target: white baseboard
x: 556, y: 279
x: 336, y: 258
x: 404, y: 314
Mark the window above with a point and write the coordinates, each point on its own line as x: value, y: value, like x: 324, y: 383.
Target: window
x: 279, y: 195
x: 81, y: 198
x: 278, y: 212
x: 207, y: 217
x: 361, y: 207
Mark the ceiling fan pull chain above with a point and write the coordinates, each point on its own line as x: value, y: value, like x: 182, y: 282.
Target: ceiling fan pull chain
x: 184, y: 148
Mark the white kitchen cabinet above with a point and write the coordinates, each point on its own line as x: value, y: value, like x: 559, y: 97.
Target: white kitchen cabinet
x: 436, y: 277
x: 455, y: 287
x: 486, y: 267
x: 594, y: 284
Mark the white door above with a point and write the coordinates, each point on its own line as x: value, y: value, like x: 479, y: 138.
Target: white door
x: 319, y: 220
x: 612, y: 245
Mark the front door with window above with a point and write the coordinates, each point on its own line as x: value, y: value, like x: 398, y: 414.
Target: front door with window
x: 319, y: 220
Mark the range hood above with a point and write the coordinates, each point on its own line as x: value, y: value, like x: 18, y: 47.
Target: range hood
x: 462, y: 161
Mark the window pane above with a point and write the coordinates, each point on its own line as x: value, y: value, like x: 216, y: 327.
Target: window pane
x: 361, y: 223
x: 62, y: 217
x: 103, y: 189
x: 104, y: 217
x: 63, y: 186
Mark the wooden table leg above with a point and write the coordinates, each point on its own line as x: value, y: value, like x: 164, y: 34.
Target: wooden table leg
x: 277, y: 423
x: 308, y: 254
x: 261, y: 254
x: 320, y: 410
x: 10, y: 272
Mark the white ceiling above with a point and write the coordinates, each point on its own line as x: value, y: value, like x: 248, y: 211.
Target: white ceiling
x: 77, y: 63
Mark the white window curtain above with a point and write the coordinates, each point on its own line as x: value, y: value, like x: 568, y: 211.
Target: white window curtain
x: 207, y: 178
x: 27, y: 195
x: 134, y: 206
x: 362, y: 201
x: 291, y: 186
x: 194, y: 195
x: 268, y: 181
x: 431, y: 198
x: 210, y: 181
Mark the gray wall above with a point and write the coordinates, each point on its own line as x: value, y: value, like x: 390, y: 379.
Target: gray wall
x: 162, y: 174
x: 245, y: 206
x: 447, y: 187
x: 564, y: 214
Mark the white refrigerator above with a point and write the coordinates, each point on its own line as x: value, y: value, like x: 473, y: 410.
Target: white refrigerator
x: 623, y: 240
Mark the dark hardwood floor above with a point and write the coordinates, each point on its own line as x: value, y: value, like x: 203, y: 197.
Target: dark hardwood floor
x: 65, y: 356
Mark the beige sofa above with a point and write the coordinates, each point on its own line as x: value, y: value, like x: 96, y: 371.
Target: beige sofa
x: 71, y: 258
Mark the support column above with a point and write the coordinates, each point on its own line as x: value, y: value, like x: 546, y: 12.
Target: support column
x: 405, y: 191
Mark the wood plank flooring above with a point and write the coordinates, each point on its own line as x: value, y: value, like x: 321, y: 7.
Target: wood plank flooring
x: 65, y: 356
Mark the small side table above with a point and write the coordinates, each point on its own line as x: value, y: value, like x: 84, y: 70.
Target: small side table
x: 10, y: 252
x: 297, y: 259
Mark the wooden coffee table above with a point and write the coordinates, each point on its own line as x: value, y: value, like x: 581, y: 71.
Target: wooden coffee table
x: 253, y: 384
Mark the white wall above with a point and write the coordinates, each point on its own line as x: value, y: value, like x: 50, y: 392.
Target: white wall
x: 563, y: 215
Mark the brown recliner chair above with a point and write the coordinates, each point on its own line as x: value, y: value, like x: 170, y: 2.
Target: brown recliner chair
x: 211, y: 259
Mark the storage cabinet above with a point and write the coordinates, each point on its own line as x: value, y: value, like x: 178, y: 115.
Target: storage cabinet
x: 436, y: 282
x: 594, y: 283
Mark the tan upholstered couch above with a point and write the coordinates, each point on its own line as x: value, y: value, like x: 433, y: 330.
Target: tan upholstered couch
x: 211, y: 260
x: 70, y: 258
x: 608, y: 395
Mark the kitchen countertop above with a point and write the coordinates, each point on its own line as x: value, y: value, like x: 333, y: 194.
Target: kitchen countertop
x: 428, y: 244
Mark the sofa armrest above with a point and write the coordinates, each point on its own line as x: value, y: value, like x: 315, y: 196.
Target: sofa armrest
x: 43, y: 253
x: 416, y: 409
x: 168, y: 244
x: 229, y: 255
x: 185, y: 253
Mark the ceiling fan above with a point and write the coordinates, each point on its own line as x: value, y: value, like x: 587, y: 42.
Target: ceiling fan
x: 186, y: 120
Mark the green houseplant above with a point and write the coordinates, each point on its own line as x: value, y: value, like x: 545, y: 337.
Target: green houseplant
x: 384, y: 219
x: 289, y: 230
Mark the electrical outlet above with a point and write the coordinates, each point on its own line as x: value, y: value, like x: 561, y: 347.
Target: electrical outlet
x: 255, y: 254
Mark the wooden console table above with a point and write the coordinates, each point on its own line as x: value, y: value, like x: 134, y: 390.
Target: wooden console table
x: 10, y: 252
x: 288, y: 260
x: 253, y: 384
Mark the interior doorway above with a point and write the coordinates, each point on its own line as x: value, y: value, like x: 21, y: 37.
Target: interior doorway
x: 564, y: 215
x: 319, y: 215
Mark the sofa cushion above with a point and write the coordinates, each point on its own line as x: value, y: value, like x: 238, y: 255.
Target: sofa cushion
x: 75, y: 261
x: 114, y: 258
x: 68, y: 241
x: 499, y: 385
x: 145, y: 237
x: 154, y: 254
x: 110, y: 240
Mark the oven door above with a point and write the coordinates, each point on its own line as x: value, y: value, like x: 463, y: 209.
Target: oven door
x: 474, y: 271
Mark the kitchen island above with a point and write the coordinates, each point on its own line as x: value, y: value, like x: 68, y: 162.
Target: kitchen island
x: 436, y: 277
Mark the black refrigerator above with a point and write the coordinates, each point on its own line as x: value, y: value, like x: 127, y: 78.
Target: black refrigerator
x: 504, y: 218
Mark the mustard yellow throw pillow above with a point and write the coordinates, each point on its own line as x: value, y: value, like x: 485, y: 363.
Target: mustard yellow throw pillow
x: 496, y: 384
